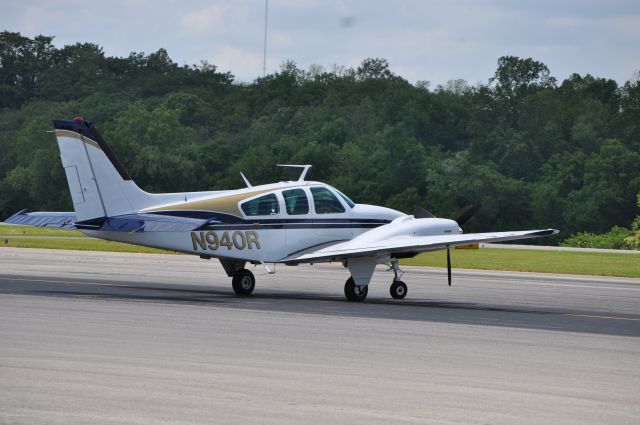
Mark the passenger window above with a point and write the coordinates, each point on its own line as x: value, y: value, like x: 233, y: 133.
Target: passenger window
x: 295, y: 200
x: 264, y: 205
x: 325, y: 201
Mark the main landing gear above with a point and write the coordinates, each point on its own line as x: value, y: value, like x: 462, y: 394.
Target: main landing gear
x: 243, y: 282
x: 355, y: 292
x: 398, y: 289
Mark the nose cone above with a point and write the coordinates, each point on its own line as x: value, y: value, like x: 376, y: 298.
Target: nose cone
x: 437, y: 226
x: 450, y: 226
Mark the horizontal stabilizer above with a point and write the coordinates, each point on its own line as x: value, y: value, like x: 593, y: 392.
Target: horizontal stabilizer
x: 123, y: 223
x: 58, y: 220
x: 152, y: 223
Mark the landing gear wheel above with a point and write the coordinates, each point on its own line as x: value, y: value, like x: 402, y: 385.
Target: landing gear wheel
x: 398, y: 290
x: 243, y: 282
x: 354, y: 292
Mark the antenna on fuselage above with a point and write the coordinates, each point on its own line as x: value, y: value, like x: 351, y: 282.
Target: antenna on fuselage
x: 304, y: 172
x: 246, y: 181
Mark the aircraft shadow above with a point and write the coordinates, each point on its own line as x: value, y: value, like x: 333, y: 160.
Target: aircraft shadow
x: 431, y: 310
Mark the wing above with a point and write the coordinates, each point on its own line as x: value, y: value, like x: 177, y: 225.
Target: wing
x: 58, y: 220
x: 408, y: 245
x: 123, y: 223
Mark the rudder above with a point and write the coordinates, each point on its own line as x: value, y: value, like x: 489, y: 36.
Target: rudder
x: 99, y: 185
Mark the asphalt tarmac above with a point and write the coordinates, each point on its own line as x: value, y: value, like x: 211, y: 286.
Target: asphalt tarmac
x: 108, y: 338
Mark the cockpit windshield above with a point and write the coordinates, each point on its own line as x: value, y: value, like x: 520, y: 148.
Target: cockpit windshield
x: 325, y: 201
x: 345, y: 197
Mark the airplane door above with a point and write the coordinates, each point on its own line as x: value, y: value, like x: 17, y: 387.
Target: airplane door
x: 265, y: 213
x: 332, y: 221
x: 298, y: 224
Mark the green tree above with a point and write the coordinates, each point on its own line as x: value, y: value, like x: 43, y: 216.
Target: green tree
x: 532, y: 152
x: 515, y: 79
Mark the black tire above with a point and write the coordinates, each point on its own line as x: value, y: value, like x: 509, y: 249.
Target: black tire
x: 398, y: 290
x: 353, y: 292
x: 243, y: 282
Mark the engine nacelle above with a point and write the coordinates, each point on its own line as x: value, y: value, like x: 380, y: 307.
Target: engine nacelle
x: 408, y: 225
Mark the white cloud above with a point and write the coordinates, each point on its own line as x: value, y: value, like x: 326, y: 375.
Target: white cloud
x: 238, y: 61
x: 302, y: 4
x: 422, y: 39
x: 626, y: 25
x: 563, y: 22
x: 602, y: 26
x: 204, y: 21
x: 280, y: 40
x: 33, y: 17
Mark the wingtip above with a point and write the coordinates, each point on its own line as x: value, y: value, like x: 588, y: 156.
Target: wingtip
x: 545, y: 232
x: 11, y: 218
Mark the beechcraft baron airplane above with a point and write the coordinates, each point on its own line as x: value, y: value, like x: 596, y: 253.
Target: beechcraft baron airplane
x: 289, y: 222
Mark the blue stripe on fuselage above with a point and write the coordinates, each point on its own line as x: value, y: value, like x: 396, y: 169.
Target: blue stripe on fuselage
x: 321, y: 224
x: 222, y: 221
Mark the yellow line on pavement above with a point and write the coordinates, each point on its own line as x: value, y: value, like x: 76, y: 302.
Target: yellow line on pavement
x: 602, y: 317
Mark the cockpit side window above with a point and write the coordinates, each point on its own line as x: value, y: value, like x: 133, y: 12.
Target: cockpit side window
x: 325, y: 202
x: 295, y: 201
x: 264, y: 205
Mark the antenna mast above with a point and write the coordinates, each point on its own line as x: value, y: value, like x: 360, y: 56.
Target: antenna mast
x: 305, y: 168
x: 264, y: 53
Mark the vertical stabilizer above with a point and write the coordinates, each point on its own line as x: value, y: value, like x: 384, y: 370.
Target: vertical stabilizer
x: 99, y: 185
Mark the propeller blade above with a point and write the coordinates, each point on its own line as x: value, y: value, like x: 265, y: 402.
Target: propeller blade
x: 467, y: 214
x: 420, y: 212
x: 449, y: 265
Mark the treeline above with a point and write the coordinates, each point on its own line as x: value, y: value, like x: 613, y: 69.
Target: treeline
x: 533, y: 151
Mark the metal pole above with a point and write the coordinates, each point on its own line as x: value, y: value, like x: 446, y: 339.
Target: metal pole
x: 264, y: 55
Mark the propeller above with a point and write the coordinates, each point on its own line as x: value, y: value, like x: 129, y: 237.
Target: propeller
x: 465, y: 216
x: 449, y: 265
x: 420, y: 212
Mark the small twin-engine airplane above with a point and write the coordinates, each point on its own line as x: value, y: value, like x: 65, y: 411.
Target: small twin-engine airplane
x: 290, y: 222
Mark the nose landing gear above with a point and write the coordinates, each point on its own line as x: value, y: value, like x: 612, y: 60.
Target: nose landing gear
x: 398, y: 289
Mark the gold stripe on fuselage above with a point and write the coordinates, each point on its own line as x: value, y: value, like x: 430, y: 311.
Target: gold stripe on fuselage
x: 74, y: 135
x: 224, y: 204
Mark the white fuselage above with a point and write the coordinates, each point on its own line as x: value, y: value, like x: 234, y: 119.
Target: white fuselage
x: 263, y: 237
x: 291, y: 222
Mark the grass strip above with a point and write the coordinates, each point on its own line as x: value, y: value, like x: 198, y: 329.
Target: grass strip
x: 585, y: 263
x: 13, y: 230
x: 589, y: 263
x: 86, y: 244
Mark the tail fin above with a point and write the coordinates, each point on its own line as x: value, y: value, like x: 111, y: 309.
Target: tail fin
x: 99, y: 185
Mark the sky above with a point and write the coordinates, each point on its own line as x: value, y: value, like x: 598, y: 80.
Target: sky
x: 428, y: 40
